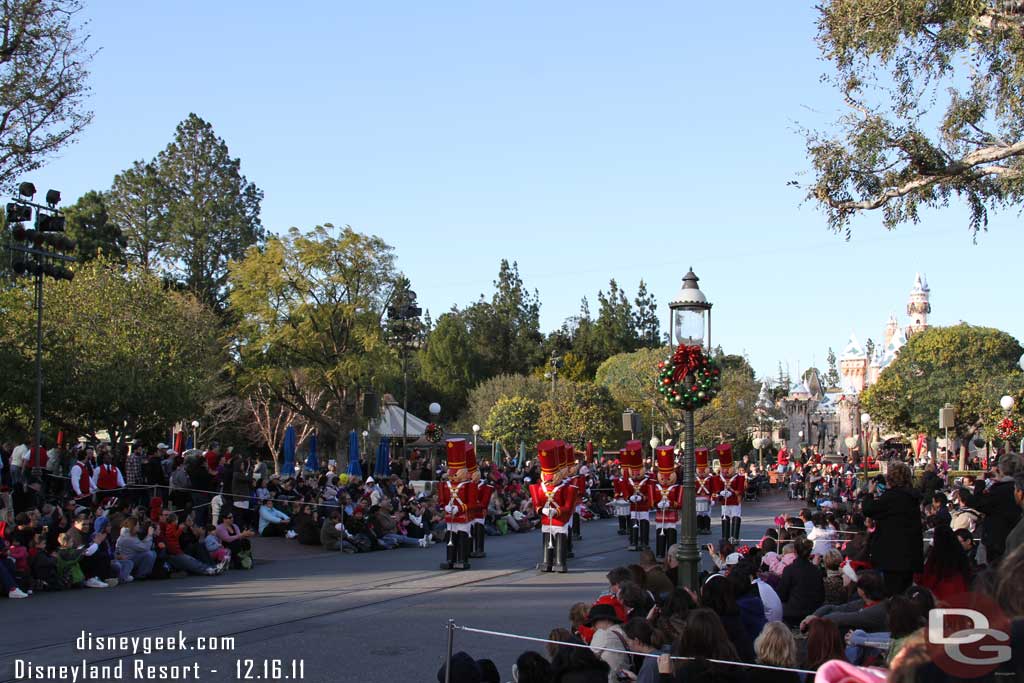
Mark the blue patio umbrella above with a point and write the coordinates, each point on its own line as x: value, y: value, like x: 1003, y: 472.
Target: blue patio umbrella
x: 188, y: 444
x: 312, y: 462
x: 353, y: 455
x: 382, y: 467
x: 288, y: 451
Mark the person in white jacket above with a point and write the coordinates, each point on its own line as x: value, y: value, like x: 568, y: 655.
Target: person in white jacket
x: 608, y: 634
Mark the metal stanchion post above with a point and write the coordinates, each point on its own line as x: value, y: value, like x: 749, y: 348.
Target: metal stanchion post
x: 451, y: 646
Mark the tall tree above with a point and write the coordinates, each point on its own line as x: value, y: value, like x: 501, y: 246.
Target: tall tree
x: 449, y: 363
x: 936, y: 103
x: 645, y: 318
x: 969, y: 367
x: 137, y: 204
x: 213, y: 212
x: 615, y: 328
x: 580, y: 411
x: 43, y: 83
x: 89, y: 224
x: 485, y: 395
x: 506, y: 330
x: 310, y: 305
x: 123, y: 353
x: 513, y: 420
x: 832, y: 378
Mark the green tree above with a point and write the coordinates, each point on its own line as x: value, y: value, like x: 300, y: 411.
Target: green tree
x: 43, y: 83
x: 869, y: 348
x: 485, y: 395
x: 213, y: 212
x: 936, y: 106
x: 137, y: 205
x: 513, y: 420
x: 615, y: 327
x: 121, y: 352
x: 631, y: 378
x: 832, y: 376
x: 89, y: 224
x: 966, y: 366
x: 581, y: 411
x: 645, y: 318
x: 309, y: 308
x: 506, y: 330
x: 449, y: 364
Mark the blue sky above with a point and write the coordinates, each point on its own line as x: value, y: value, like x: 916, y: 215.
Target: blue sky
x: 584, y: 140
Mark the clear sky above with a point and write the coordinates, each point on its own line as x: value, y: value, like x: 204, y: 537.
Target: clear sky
x: 585, y: 140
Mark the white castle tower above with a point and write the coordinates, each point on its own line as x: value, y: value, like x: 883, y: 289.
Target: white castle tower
x: 918, y: 307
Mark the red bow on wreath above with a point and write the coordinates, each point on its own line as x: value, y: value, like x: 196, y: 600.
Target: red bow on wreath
x: 1007, y: 428
x: 686, y: 359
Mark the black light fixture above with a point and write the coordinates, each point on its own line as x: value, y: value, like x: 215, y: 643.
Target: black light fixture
x: 17, y: 213
x: 27, y: 190
x: 52, y: 198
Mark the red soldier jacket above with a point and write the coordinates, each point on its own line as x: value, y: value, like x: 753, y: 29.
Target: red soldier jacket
x: 580, y: 482
x: 732, y: 488
x: 643, y: 488
x: 563, y: 498
x: 484, y: 491
x: 707, y: 485
x: 464, y: 499
x: 622, y: 488
x: 673, y: 495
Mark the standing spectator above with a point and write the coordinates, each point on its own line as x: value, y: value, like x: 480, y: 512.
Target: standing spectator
x: 133, y: 475
x: 895, y: 545
x: 202, y: 484
x: 801, y: 587
x: 107, y: 477
x: 18, y: 456
x: 999, y: 506
x: 1016, y: 536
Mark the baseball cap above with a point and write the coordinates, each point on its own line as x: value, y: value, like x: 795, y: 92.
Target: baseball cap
x: 369, y: 480
x: 733, y: 559
x: 162, y: 446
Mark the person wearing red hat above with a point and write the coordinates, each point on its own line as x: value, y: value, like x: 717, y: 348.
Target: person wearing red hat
x: 555, y: 501
x: 731, y: 494
x: 484, y: 491
x: 707, y: 488
x: 641, y: 496
x: 668, y: 501
x: 457, y: 496
x: 622, y: 491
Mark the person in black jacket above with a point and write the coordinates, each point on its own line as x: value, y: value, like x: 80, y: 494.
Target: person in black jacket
x: 896, y: 546
x: 802, y: 587
x: 999, y: 507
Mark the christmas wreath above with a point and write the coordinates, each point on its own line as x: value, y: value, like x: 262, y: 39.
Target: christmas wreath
x: 689, y: 379
x: 1006, y: 428
x: 434, y: 433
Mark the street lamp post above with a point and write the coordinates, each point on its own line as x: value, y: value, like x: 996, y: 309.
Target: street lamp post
x: 690, y: 318
x: 435, y: 417
x: 864, y: 420
x: 476, y: 431
x: 195, y: 433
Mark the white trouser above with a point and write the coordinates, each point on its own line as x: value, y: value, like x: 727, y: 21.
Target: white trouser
x: 731, y: 511
x: 456, y: 527
x: 641, y: 515
x: 554, y: 529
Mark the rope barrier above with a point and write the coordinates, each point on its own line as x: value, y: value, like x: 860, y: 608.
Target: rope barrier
x: 654, y: 655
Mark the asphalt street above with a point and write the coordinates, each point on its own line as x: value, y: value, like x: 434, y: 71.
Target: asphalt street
x: 326, y: 616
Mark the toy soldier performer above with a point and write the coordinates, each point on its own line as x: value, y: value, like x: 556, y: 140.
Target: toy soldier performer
x: 707, y: 488
x: 639, y: 498
x: 668, y: 501
x: 579, y: 481
x: 483, y: 498
x: 622, y: 490
x: 733, y: 486
x: 555, y: 502
x: 457, y: 496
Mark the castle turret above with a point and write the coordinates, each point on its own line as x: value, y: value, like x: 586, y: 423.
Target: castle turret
x: 892, y: 328
x: 853, y: 366
x: 918, y: 307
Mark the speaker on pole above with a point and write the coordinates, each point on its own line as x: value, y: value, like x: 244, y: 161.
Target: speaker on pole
x: 371, y: 405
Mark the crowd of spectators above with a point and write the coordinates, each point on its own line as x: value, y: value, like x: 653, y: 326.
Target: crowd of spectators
x: 833, y: 594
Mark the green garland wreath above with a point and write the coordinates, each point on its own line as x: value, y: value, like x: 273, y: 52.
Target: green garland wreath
x: 689, y: 379
x: 434, y: 433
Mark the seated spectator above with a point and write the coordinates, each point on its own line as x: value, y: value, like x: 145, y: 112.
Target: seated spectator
x: 671, y: 617
x: 866, y: 612
x: 579, y: 665
x: 170, y: 541
x: 717, y: 595
x: 824, y: 643
x: 947, y: 570
x: 835, y: 588
x: 139, y: 551
x: 273, y: 522
x: 215, y: 547
x: 775, y: 646
x: 609, y: 639
x: 306, y: 526
x: 43, y: 565
x: 94, y: 565
x: 234, y: 539
x: 703, y: 638
x: 531, y: 667
x: 464, y: 669
x: 748, y: 598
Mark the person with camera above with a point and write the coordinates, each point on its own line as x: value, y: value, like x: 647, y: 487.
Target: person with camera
x: 895, y: 546
x: 999, y: 506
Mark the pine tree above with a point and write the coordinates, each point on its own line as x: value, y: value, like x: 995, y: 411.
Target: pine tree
x: 645, y: 318
x: 832, y: 376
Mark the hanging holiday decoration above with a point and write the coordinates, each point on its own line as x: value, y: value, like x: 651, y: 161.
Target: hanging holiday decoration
x: 1007, y: 428
x: 690, y: 378
x: 434, y: 433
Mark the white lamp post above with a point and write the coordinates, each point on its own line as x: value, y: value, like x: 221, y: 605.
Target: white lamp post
x: 864, y: 420
x: 476, y: 430
x: 1006, y: 403
x: 195, y: 433
x: 655, y: 442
